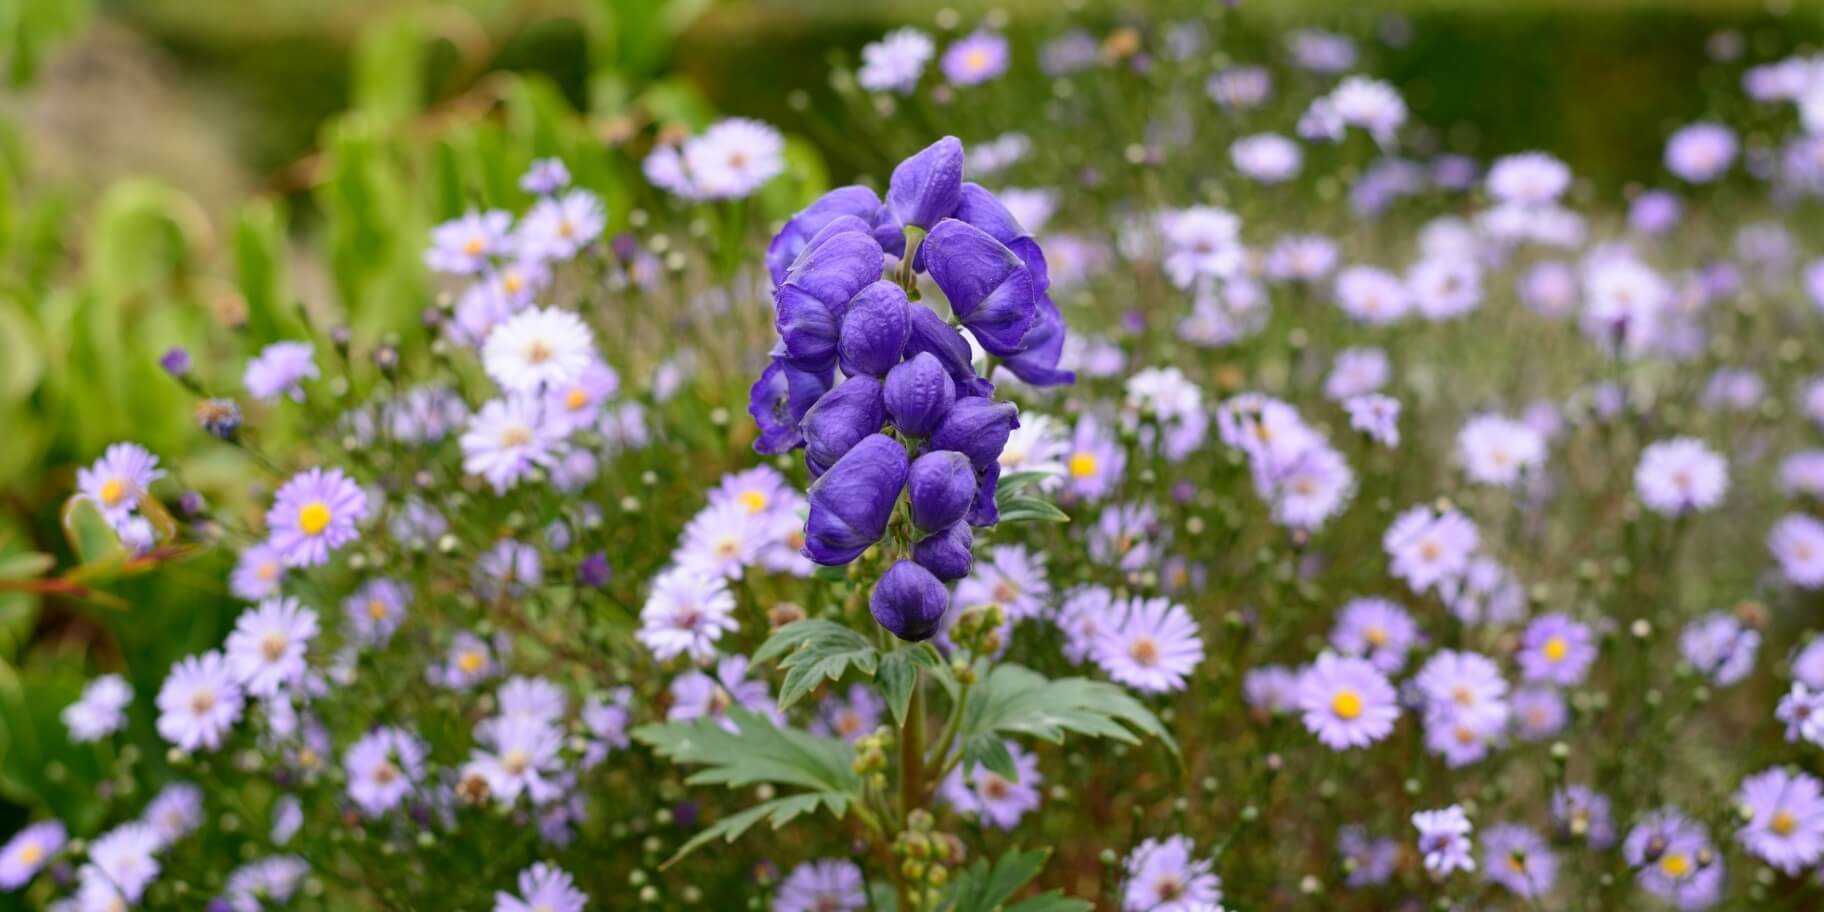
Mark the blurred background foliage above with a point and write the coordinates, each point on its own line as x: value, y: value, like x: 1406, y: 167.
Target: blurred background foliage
x: 169, y: 168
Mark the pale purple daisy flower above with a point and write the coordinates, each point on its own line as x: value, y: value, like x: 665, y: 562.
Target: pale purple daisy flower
x: 1376, y: 416
x: 1164, y: 875
x: 1241, y: 87
x: 1549, y: 288
x: 1372, y: 296
x: 266, y: 649
x: 723, y: 538
x: 578, y: 404
x: 1369, y: 860
x: 1301, y: 258
x: 508, y: 439
x: 1202, y: 243
x: 1320, y: 51
x: 100, y: 711
x: 1673, y: 859
x: 280, y: 369
x: 257, y: 573
x: 542, y: 888
x: 1785, y: 813
x: 1444, y: 287
x: 1357, y: 372
x: 313, y: 514
x: 287, y: 819
x: 1557, y: 649
x: 896, y: 61
x: 1087, y: 611
x: 1528, y: 179
x: 125, y: 858
x: 199, y: 702
x: 1429, y: 548
x: 1271, y: 689
x: 1267, y: 157
x: 606, y: 721
x: 697, y: 695
x: 1583, y: 813
x: 1128, y: 536
x: 463, y: 246
x: 1803, y: 473
x: 545, y: 177
x: 686, y: 614
x: 1702, y: 152
x: 1518, y: 858
x: 1797, y: 542
x: 1376, y: 629
x: 176, y: 812
x: 28, y: 851
x: 1370, y: 104
x: 827, y: 885
x: 1808, y: 664
x: 1346, y: 702
x: 1466, y: 685
x: 538, y: 348
x: 470, y: 661
x: 1444, y: 840
x: 117, y: 481
x: 557, y: 227
x: 264, y: 883
x: 524, y: 759
x: 999, y: 802
x: 1013, y: 578
x: 383, y: 767
x: 1539, y: 712
x: 1681, y: 475
x: 1655, y: 212
x: 1151, y: 645
x: 375, y: 610
x: 849, y: 716
x: 1096, y: 462
x: 1720, y: 647
x: 975, y: 59
x: 1497, y: 450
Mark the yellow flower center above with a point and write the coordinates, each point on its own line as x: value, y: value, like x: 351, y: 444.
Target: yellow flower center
x: 474, y: 246
x: 538, y: 352
x: 1556, y: 649
x: 470, y: 662
x: 385, y: 773
x: 517, y: 435
x: 1376, y: 637
x: 202, y: 701
x: 1783, y: 823
x: 1675, y: 864
x: 976, y: 60
x: 515, y: 761
x: 30, y: 853
x: 267, y: 571
x: 376, y: 609
x: 754, y: 501
x: 565, y: 228
x: 1083, y: 465
x: 313, y: 517
x: 273, y: 646
x: 113, y: 491
x: 512, y: 281
x: 1347, y: 704
x: 576, y: 399
x: 1145, y: 651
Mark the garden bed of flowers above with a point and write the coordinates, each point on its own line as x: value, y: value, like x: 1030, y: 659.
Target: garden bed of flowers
x: 1177, y: 481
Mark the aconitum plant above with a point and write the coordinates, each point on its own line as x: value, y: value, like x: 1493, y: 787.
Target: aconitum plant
x: 882, y: 391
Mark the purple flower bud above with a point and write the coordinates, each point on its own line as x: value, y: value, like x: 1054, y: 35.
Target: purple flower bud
x: 176, y: 362
x: 978, y: 428
x: 947, y: 554
x: 931, y: 334
x: 851, y: 503
x: 874, y: 330
x: 909, y: 602
x: 941, y: 486
x: 191, y: 503
x: 778, y: 401
x: 594, y: 572
x: 807, y: 328
x: 838, y: 263
x: 983, y: 210
x: 855, y: 201
x: 918, y: 395
x: 1037, y: 362
x: 986, y: 511
x: 990, y: 289
x: 927, y: 186
x: 840, y: 419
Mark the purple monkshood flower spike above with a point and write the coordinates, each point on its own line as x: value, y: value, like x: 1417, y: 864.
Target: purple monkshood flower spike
x: 978, y: 428
x: 909, y: 601
x: 947, y: 554
x: 928, y: 186
x: 990, y: 290
x: 918, y: 395
x: 840, y: 419
x: 874, y: 331
x: 779, y: 401
x: 941, y: 487
x: 853, y: 201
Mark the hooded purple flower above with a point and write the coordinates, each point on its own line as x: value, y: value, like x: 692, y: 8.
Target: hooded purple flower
x: 918, y: 394
x: 928, y: 186
x: 977, y: 427
x: 931, y: 335
x: 949, y: 554
x: 874, y: 330
x: 1037, y: 361
x: 843, y: 416
x: 985, y: 211
x: 856, y: 201
x: 986, y: 511
x: 851, y: 503
x: 909, y: 601
x: 990, y: 290
x: 779, y: 400
x: 817, y: 289
x: 941, y: 486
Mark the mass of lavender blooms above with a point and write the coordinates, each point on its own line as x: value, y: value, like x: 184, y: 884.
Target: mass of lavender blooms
x: 1265, y: 512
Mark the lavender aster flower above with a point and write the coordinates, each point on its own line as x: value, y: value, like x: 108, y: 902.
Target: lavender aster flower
x: 101, y: 711
x: 1518, y: 858
x: 198, y: 702
x: 266, y: 649
x: 976, y: 59
x: 1557, y: 649
x: 1785, y: 819
x: 313, y: 514
x: 542, y: 888
x: 1346, y: 702
x: 999, y: 802
x: 463, y: 246
x: 894, y: 63
x: 1164, y: 875
x: 28, y: 851
x: 383, y: 767
x: 118, y: 480
x: 280, y: 370
x: 1444, y: 840
x: 1151, y: 645
x: 829, y: 885
x: 1377, y: 629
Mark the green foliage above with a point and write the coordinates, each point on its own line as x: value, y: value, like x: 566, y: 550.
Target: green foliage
x: 813, y: 651
x: 29, y: 29
x: 987, y: 888
x: 898, y: 675
x: 1012, y: 700
x: 760, y: 753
